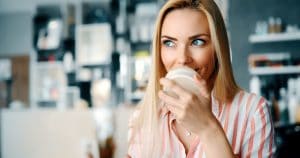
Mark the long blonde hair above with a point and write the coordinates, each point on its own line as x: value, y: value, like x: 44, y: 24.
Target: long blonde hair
x: 224, y: 87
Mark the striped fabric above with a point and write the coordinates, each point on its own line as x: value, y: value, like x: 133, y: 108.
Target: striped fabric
x: 246, y: 122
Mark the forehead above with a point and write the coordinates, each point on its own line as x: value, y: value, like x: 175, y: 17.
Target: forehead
x: 185, y: 22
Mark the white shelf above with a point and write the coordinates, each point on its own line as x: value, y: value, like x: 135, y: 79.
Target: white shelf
x: 276, y: 37
x: 274, y: 70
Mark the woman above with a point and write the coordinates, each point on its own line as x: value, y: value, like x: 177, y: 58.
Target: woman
x: 222, y: 121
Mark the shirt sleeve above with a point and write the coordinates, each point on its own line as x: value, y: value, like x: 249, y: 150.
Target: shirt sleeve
x: 259, y: 136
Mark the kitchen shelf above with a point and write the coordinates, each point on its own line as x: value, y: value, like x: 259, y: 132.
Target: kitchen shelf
x: 275, y: 70
x: 276, y: 37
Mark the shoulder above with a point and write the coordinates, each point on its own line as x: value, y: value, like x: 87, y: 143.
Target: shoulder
x: 257, y: 123
x: 251, y: 101
x: 251, y: 104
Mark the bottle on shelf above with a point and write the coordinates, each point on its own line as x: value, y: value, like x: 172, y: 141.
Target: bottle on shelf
x: 278, y: 25
x: 274, y: 107
x: 255, y: 85
x: 297, y: 113
x: 272, y: 26
x: 284, y: 116
x: 292, y: 101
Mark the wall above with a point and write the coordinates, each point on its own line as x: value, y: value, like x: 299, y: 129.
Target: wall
x: 242, y: 18
x: 15, y: 33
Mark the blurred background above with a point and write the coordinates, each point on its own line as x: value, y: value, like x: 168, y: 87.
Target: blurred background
x: 72, y: 71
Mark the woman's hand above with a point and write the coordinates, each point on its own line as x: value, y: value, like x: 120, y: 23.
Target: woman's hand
x: 192, y: 111
x: 127, y: 156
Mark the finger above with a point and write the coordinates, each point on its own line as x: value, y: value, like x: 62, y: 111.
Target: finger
x: 172, y: 104
x: 174, y: 110
x: 169, y: 99
x: 202, y: 85
x: 170, y: 84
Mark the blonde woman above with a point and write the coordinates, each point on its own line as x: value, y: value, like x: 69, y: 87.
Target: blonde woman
x: 222, y: 120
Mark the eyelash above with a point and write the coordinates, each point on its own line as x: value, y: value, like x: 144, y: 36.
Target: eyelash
x: 203, y: 42
x: 164, y: 42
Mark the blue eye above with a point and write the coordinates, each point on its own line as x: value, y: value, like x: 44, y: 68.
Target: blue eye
x: 197, y: 42
x: 168, y: 43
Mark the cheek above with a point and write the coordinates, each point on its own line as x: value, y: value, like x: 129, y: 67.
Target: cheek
x: 206, y: 60
x: 167, y: 58
x: 210, y: 66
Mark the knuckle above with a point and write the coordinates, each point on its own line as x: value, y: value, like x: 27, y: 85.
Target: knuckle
x: 193, y: 97
x: 171, y: 84
x: 185, y: 107
x: 180, y: 117
x: 184, y: 114
x: 188, y: 98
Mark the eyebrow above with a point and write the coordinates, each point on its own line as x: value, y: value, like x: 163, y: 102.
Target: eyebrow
x: 192, y: 37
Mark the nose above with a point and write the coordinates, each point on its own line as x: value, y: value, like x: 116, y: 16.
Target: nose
x: 184, y: 56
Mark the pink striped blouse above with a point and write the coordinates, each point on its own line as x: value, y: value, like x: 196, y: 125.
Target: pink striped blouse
x: 246, y: 122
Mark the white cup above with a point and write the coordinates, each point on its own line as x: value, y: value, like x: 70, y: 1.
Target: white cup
x: 184, y: 77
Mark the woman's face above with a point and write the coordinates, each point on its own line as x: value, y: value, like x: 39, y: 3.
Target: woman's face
x: 186, y: 41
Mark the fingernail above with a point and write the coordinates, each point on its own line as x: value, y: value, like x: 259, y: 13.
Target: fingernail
x: 197, y: 77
